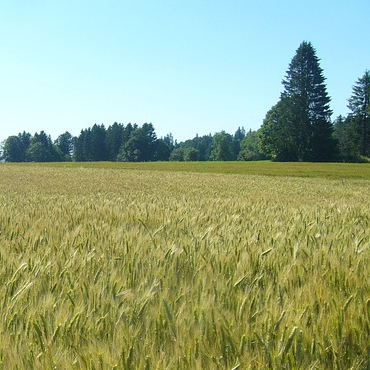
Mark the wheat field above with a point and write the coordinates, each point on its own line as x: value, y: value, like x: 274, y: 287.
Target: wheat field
x: 108, y: 268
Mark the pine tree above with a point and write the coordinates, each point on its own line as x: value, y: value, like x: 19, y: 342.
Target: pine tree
x: 310, y: 113
x: 359, y: 103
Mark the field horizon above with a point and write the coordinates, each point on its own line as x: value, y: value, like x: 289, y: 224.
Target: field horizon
x: 331, y: 170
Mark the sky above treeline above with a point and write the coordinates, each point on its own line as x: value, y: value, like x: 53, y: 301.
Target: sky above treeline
x: 188, y: 67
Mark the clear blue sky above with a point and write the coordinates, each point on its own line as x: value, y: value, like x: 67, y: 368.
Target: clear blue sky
x: 188, y: 66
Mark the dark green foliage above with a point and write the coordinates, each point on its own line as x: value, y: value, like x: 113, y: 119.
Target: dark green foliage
x: 191, y: 154
x: 26, y: 141
x: 113, y: 139
x: 150, y: 142
x: 133, y: 150
x: 98, y: 148
x: 309, y: 105
x: 131, y: 144
x: 42, y: 149
x: 359, y: 103
x: 13, y: 150
x: 162, y: 150
x: 82, y: 152
x: 277, y: 134
x: 168, y: 139
x: 250, y: 147
x: 298, y: 128
x: 177, y: 155
x: 37, y: 152
x: 141, y: 146
x: 203, y: 145
x: 352, y: 133
x: 91, y: 145
x: 237, y: 139
x: 78, y: 152
x: 347, y: 138
x: 64, y: 146
x: 27, y: 148
x: 222, y: 149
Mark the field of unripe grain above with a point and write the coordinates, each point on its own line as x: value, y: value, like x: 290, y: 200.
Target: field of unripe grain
x: 117, y: 268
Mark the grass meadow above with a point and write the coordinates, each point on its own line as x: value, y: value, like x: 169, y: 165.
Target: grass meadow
x: 189, y: 266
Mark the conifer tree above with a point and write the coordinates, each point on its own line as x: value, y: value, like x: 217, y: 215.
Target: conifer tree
x: 359, y: 103
x: 300, y: 122
x: 309, y: 105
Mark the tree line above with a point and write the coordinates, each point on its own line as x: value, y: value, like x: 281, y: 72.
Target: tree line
x: 297, y: 128
x: 129, y: 143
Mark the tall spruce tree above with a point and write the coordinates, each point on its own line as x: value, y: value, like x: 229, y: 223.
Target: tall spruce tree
x: 359, y: 103
x: 305, y: 125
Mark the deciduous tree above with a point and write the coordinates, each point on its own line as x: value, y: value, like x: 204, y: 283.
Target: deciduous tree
x: 250, y: 147
x: 222, y: 147
x: 13, y: 150
x: 65, y: 146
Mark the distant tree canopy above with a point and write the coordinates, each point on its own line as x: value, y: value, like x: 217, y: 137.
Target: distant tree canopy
x: 14, y: 150
x: 129, y: 143
x: 352, y: 133
x: 296, y: 128
x: 359, y: 104
x: 250, y: 148
x: 116, y: 143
